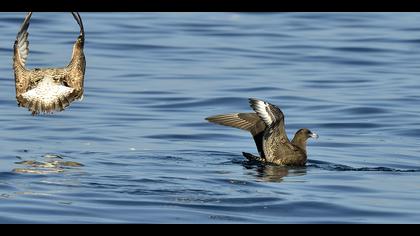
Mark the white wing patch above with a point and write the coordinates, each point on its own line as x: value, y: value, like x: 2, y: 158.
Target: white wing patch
x: 263, y: 110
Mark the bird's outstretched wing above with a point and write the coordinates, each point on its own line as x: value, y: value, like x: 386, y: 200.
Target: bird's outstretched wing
x: 20, y: 54
x: 77, y: 17
x: 22, y: 44
x: 77, y: 65
x: 246, y: 121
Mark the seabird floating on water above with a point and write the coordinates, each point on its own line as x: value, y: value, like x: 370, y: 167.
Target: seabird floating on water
x: 267, y: 128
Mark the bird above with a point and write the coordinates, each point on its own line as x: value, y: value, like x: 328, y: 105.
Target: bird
x: 46, y: 90
x: 267, y: 126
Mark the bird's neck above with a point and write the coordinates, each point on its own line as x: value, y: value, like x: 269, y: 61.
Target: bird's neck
x: 299, y: 142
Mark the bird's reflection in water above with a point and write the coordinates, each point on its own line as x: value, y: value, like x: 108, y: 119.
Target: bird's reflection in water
x: 51, y: 163
x: 273, y: 173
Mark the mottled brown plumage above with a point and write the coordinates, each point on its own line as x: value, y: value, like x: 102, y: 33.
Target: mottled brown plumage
x: 268, y: 130
x: 45, y: 90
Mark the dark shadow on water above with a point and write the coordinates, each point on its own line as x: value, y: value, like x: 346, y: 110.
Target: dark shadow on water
x: 272, y: 173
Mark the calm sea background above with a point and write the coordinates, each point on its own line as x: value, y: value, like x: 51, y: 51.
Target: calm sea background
x: 147, y: 155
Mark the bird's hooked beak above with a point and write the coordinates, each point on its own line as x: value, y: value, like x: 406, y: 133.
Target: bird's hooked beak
x: 313, y: 135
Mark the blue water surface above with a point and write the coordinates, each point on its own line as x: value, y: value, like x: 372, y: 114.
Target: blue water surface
x: 146, y: 154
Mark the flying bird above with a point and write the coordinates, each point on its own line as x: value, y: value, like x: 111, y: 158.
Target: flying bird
x: 45, y: 90
x: 267, y: 127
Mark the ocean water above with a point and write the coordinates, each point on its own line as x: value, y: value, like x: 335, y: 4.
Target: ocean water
x: 138, y: 150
